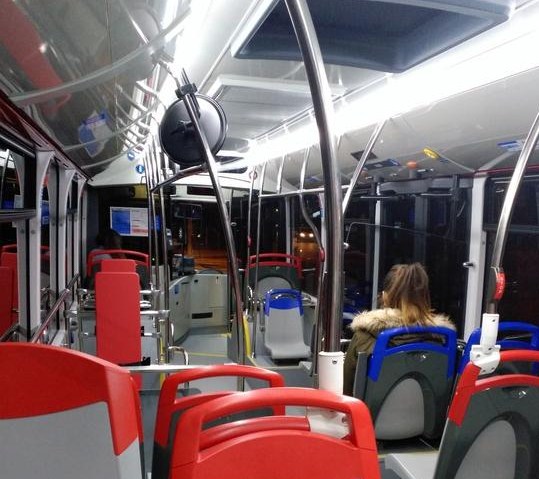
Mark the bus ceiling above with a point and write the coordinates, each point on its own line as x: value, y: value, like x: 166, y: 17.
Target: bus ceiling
x: 94, y: 76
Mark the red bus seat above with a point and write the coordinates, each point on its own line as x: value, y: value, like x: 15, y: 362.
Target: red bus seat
x: 171, y: 407
x: 275, y: 270
x: 65, y: 415
x: 117, y: 304
x: 118, y: 266
x: 97, y: 257
x: 274, y: 447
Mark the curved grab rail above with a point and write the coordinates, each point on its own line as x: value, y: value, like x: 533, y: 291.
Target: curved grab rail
x: 55, y: 307
x: 137, y: 256
x: 12, y: 248
x: 362, y: 435
x: 496, y: 278
x: 282, y: 298
x: 382, y: 347
x: 276, y: 259
x: 469, y: 383
x: 167, y: 398
x: 224, y: 432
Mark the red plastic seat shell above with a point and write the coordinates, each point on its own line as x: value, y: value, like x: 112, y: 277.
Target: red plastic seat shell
x: 118, y: 317
x: 273, y: 452
x: 25, y: 370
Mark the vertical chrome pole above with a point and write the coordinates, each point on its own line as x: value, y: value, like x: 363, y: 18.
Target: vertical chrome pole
x: 279, y: 186
x: 227, y: 227
x: 249, y: 304
x: 359, y: 168
x: 166, y: 277
x: 496, y: 282
x: 323, y: 110
x: 150, y: 213
x: 255, y: 286
x: 249, y: 239
x: 321, y: 256
x: 2, y: 179
x: 153, y: 182
x: 165, y: 348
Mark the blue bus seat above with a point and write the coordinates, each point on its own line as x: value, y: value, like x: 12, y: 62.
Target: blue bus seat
x: 511, y: 335
x: 492, y: 429
x: 407, y: 387
x: 283, y: 316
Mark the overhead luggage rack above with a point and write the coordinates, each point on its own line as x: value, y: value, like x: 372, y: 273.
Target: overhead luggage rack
x: 384, y: 35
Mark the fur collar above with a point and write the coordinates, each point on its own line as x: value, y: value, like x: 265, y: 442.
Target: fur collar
x: 379, y: 319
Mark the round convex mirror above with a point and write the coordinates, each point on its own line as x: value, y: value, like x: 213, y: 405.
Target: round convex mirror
x: 178, y: 135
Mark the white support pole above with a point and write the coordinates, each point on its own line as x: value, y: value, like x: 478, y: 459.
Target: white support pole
x: 330, y: 378
x: 288, y: 226
x: 476, y: 259
x: 79, y: 230
x: 486, y: 354
x: 59, y: 186
x: 33, y: 282
x: 376, y: 254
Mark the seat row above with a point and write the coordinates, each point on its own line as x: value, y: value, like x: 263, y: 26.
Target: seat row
x: 408, y: 385
x: 65, y: 414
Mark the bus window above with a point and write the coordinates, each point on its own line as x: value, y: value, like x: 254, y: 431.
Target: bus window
x: 520, y: 301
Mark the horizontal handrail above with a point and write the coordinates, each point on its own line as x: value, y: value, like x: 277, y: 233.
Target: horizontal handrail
x: 54, y: 309
x: 14, y: 328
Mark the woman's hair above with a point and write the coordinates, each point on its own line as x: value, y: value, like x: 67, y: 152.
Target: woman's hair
x: 406, y: 287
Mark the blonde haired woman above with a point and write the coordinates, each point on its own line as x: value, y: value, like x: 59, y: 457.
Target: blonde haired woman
x: 406, y: 302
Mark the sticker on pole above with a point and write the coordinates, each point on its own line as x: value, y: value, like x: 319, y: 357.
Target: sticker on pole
x: 500, y: 285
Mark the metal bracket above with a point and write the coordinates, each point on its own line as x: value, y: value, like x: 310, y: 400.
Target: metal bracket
x: 187, y: 89
x: 486, y: 354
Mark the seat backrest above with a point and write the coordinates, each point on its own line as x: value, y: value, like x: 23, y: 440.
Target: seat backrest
x: 65, y: 414
x: 118, y: 266
x: 125, y: 265
x: 283, y: 316
x: 268, y: 283
x: 409, y: 381
x: 275, y: 265
x: 492, y: 429
x: 273, y: 447
x: 511, y: 335
x: 97, y: 256
x: 171, y: 407
x: 117, y: 310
